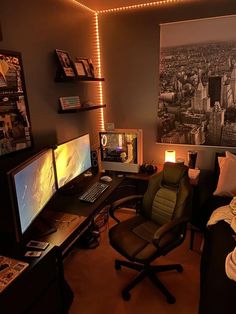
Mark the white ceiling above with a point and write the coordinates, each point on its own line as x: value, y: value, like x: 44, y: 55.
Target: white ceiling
x: 98, y: 5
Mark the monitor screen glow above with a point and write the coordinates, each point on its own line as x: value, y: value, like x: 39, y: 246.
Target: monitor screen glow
x: 34, y: 185
x: 72, y: 159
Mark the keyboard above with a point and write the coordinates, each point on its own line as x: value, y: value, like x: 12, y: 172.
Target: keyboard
x: 93, y: 192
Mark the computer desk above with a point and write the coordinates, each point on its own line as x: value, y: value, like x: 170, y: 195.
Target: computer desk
x: 72, y: 217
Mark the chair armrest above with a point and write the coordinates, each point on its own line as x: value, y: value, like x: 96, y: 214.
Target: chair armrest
x: 115, y: 205
x: 163, y: 230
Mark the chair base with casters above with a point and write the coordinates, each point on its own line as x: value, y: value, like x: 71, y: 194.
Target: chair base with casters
x: 150, y: 272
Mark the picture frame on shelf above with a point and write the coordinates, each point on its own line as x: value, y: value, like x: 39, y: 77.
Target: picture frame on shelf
x: 65, y: 63
x: 91, y: 67
x: 80, y: 69
x: 88, y: 66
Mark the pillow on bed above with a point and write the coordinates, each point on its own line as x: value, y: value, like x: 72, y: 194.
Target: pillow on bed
x: 230, y: 155
x: 226, y: 185
x: 221, y: 161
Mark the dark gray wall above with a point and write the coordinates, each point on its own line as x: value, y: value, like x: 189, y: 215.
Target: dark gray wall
x: 130, y: 57
x: 36, y: 29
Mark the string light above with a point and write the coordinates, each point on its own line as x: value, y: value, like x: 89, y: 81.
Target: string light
x: 98, y: 59
x: 138, y: 6
x: 84, y: 6
x: 97, y: 40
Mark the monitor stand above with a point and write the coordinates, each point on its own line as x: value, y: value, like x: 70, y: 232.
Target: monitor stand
x: 43, y: 227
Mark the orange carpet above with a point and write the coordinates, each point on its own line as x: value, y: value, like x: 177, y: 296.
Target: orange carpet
x: 97, y: 285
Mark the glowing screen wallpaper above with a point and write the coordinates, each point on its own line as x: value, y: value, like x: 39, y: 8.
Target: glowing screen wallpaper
x: 35, y: 185
x: 72, y: 159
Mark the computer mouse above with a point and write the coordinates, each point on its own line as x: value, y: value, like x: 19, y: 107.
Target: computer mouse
x: 106, y: 179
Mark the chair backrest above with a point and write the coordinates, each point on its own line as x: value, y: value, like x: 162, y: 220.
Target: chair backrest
x: 168, y: 195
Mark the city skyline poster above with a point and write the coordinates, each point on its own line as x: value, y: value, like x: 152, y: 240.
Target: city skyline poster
x: 197, y: 82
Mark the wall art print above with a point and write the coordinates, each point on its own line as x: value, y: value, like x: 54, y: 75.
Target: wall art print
x: 197, y: 99
x: 14, y: 116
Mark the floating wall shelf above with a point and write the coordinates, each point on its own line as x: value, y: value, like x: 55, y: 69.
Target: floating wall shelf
x: 92, y: 107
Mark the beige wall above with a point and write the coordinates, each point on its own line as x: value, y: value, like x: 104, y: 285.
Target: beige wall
x: 129, y: 45
x: 130, y: 55
x: 36, y: 29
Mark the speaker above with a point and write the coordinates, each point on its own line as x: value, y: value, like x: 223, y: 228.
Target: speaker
x: 94, y: 161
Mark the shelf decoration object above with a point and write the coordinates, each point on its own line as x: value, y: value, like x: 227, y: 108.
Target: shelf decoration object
x: 69, y: 103
x: 80, y: 69
x: 15, y: 130
x: 66, y: 67
x: 88, y: 65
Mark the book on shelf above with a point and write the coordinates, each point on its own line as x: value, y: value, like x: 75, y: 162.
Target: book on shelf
x: 10, y: 269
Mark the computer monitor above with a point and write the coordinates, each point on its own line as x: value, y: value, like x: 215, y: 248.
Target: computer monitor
x: 121, y: 150
x: 72, y: 158
x: 32, y: 185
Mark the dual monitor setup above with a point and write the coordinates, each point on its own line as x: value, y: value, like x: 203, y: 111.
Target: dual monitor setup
x: 34, y: 182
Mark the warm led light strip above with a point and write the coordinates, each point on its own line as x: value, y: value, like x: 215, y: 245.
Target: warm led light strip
x: 84, y: 6
x: 98, y: 62
x: 98, y: 50
x: 139, y: 6
x: 98, y: 55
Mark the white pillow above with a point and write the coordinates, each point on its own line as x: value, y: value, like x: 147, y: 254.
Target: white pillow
x: 226, y: 185
x: 230, y: 155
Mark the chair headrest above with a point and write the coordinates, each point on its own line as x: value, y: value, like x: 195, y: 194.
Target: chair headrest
x: 173, y: 173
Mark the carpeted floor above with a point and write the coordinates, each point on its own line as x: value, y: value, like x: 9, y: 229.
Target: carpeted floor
x: 97, y: 285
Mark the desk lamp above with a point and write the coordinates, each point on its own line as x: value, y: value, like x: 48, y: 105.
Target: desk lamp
x: 170, y: 155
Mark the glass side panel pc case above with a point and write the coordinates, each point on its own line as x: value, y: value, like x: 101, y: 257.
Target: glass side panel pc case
x: 121, y: 150
x: 72, y: 158
x: 32, y: 185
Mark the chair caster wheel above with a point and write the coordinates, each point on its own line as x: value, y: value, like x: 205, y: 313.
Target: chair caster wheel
x: 117, y: 265
x: 171, y: 300
x: 126, y: 295
x: 180, y: 269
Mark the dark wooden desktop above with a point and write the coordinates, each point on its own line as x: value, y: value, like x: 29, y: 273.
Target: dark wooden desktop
x: 71, y: 216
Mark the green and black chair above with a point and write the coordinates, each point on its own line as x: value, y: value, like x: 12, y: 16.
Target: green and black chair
x: 159, y: 226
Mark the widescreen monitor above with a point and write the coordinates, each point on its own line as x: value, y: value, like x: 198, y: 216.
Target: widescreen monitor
x: 121, y: 150
x: 72, y: 158
x: 32, y: 186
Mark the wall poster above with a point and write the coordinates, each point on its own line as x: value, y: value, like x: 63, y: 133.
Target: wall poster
x: 197, y: 99
x: 15, y: 133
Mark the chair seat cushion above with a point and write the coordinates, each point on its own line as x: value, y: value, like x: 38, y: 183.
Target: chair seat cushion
x: 133, y: 239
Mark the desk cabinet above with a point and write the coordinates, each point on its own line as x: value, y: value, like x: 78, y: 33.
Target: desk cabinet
x: 39, y: 289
